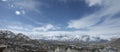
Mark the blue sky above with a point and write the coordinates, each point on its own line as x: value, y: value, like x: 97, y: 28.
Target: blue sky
x: 45, y: 18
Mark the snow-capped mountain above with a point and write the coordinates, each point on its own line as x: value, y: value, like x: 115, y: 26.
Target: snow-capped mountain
x: 67, y: 37
x: 5, y: 34
x: 77, y: 38
x: 22, y: 36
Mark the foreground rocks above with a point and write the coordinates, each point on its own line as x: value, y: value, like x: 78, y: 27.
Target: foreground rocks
x: 59, y: 49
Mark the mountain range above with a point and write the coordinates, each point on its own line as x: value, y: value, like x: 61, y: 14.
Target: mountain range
x: 65, y: 38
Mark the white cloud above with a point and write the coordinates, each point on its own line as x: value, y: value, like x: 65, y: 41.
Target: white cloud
x: 17, y: 12
x: 3, y: 0
x: 45, y: 28
x: 110, y: 24
x: 84, y: 22
x: 93, y: 2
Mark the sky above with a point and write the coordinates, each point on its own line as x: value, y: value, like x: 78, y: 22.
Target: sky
x: 74, y: 18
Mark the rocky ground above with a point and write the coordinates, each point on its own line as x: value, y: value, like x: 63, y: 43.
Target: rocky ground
x: 21, y: 43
